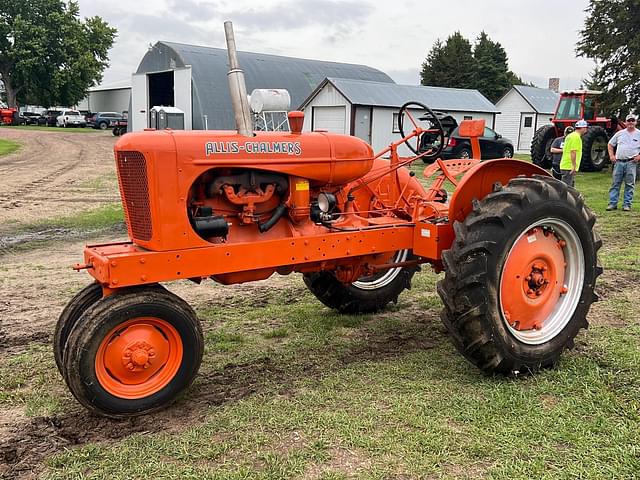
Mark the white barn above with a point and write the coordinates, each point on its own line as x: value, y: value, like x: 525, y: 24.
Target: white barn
x: 369, y: 110
x: 523, y: 110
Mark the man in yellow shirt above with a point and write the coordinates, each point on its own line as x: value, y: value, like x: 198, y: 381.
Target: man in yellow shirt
x: 572, y: 153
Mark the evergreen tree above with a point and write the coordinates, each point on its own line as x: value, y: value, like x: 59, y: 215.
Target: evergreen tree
x: 611, y: 36
x: 48, y: 56
x: 492, y: 72
x: 449, y: 65
x: 456, y: 64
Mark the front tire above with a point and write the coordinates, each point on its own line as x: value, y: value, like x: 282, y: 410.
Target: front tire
x: 368, y: 294
x: 520, y: 276
x: 133, y: 352
x: 541, y: 146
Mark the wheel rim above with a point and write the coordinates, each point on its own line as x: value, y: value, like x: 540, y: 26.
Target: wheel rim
x: 541, y: 281
x: 598, y: 151
x: 382, y: 279
x: 465, y: 154
x: 139, y: 357
x: 507, y: 153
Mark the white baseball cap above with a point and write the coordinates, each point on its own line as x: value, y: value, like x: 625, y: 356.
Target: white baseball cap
x: 631, y: 116
x: 581, y: 124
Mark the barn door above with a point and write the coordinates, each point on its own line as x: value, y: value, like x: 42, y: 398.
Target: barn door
x: 182, y: 93
x: 526, y: 131
x: 139, y: 114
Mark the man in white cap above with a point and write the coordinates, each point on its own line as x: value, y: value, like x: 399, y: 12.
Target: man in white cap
x: 624, y: 159
x: 572, y: 153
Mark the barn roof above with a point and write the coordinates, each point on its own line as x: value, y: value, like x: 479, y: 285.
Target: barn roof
x: 542, y: 100
x: 209, y: 67
x: 363, y: 92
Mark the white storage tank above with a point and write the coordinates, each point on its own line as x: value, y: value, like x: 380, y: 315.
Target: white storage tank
x: 270, y: 100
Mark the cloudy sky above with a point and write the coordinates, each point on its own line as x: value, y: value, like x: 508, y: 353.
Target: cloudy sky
x: 393, y: 36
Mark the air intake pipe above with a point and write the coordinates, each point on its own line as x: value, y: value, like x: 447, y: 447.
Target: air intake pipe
x: 237, y: 86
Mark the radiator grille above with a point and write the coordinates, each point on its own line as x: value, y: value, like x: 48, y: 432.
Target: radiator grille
x: 134, y: 189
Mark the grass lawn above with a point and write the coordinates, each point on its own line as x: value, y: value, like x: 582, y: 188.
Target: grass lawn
x: 291, y: 389
x: 8, y: 146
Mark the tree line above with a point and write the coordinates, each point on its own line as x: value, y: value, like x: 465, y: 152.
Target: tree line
x: 455, y: 63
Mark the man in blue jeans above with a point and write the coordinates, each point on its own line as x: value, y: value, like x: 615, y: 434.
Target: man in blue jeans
x: 625, y: 158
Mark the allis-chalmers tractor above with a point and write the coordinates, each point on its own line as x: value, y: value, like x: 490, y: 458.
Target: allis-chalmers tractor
x: 517, y: 247
x: 573, y: 106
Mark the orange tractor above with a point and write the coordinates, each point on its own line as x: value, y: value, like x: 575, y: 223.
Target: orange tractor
x: 517, y: 247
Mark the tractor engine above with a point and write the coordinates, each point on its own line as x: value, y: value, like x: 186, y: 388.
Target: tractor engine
x: 189, y: 189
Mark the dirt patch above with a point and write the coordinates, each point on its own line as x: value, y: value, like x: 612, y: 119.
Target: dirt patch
x: 55, y: 173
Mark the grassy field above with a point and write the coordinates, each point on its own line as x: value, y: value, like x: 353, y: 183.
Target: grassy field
x: 8, y: 146
x: 290, y: 389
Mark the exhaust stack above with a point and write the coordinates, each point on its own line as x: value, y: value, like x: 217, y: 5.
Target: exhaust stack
x: 237, y: 86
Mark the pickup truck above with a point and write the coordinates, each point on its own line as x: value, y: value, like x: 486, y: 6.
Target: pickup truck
x: 71, y: 118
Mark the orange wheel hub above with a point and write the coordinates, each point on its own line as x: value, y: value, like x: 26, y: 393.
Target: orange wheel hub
x: 139, y: 357
x: 532, y: 279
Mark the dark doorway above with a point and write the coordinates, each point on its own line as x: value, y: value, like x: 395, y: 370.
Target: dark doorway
x: 161, y: 89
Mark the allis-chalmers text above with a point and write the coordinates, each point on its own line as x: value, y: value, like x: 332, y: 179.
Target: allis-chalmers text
x: 284, y: 148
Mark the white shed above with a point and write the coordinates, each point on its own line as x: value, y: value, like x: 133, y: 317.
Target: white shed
x: 112, y: 97
x: 369, y: 110
x: 522, y: 110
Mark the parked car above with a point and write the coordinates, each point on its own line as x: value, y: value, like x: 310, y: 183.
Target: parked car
x: 102, y: 120
x: 492, y: 144
x: 49, y: 118
x: 70, y: 118
x: 28, y: 118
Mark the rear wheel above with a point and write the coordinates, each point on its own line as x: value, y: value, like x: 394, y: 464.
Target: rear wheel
x: 366, y: 295
x: 594, y: 150
x: 541, y: 146
x: 507, y: 152
x: 464, y: 153
x: 520, y: 276
x: 133, y: 352
x: 102, y: 125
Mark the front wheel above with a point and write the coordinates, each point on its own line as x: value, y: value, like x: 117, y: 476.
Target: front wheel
x: 133, y: 352
x: 367, y: 294
x: 520, y: 276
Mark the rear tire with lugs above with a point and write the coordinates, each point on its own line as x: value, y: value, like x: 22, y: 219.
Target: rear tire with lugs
x: 368, y: 294
x: 133, y: 352
x: 520, y: 276
x: 541, y: 146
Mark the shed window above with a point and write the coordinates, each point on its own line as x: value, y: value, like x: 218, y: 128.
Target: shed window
x: 468, y: 117
x: 394, y: 127
x: 528, y: 121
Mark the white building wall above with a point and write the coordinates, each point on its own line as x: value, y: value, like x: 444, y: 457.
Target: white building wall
x: 327, y: 97
x: 107, y: 100
x: 508, y: 123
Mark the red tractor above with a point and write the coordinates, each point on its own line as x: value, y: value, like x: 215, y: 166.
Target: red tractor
x: 573, y: 106
x: 8, y: 116
x: 517, y: 247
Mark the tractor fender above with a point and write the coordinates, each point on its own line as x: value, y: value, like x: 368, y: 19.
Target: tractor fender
x: 479, y: 181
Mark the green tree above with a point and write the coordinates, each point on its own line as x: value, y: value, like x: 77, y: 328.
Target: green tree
x: 450, y: 64
x: 456, y: 64
x: 611, y: 36
x: 48, y: 56
x: 492, y: 75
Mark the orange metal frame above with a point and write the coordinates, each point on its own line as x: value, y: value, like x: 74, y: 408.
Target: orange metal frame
x: 383, y: 207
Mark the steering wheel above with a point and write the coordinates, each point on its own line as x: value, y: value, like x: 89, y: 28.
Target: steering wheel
x: 431, y: 140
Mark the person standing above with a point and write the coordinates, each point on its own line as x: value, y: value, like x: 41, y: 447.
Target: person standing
x: 556, y: 153
x: 572, y: 153
x: 624, y: 159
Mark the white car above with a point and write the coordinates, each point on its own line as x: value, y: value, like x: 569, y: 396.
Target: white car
x: 71, y: 118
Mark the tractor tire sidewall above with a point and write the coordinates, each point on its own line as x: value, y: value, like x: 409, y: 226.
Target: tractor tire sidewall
x: 540, y: 145
x: 102, y: 318
x: 348, y: 298
x: 82, y: 301
x: 502, y: 352
x: 588, y: 139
